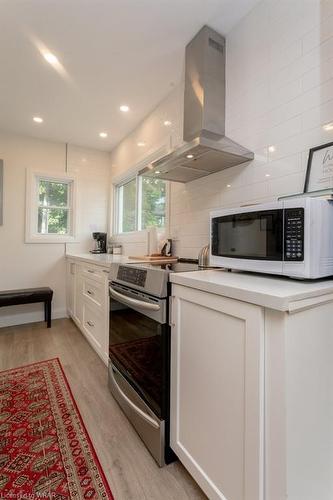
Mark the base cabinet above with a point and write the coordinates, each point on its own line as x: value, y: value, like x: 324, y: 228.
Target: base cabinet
x: 88, y: 303
x: 251, y: 395
x: 217, y: 374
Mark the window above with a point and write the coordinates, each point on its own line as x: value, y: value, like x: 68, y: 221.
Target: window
x: 50, y: 208
x: 53, y: 207
x: 141, y: 202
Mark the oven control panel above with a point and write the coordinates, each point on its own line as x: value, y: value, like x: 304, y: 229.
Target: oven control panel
x: 132, y: 275
x: 294, y: 234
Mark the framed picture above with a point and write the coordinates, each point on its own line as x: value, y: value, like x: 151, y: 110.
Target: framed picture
x: 1, y: 192
x: 319, y: 172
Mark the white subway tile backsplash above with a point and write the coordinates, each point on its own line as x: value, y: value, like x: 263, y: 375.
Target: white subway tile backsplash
x: 284, y: 130
x: 318, y: 75
x: 281, y: 58
x: 286, y: 93
x: 290, y: 184
x: 318, y: 116
x: 318, y: 34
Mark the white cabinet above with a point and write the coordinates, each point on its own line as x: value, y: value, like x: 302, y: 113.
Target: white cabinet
x: 217, y: 377
x: 251, y: 385
x: 88, y: 303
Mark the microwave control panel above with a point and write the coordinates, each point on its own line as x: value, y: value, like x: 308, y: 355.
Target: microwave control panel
x: 294, y: 234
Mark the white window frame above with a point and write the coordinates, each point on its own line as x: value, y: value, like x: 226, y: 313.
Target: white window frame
x: 32, y: 204
x: 132, y: 173
x: 138, y: 205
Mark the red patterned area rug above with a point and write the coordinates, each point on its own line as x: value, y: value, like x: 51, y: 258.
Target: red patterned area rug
x: 45, y: 450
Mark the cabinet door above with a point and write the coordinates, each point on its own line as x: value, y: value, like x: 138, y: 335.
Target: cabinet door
x: 94, y: 325
x: 217, y: 376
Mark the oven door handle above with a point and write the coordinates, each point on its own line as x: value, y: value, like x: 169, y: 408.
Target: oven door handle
x: 138, y: 410
x: 133, y: 302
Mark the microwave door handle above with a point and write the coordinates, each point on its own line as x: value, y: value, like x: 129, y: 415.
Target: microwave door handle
x: 138, y: 410
x: 133, y: 302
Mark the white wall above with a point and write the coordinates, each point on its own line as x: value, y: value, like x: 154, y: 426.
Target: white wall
x: 279, y: 93
x: 152, y: 131
x: 28, y: 265
x: 92, y: 169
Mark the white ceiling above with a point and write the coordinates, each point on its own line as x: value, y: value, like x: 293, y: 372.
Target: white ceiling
x: 112, y: 51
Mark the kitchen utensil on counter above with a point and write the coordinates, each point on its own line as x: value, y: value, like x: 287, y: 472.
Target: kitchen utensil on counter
x: 154, y: 258
x: 166, y: 249
x: 117, y: 249
x: 203, y: 257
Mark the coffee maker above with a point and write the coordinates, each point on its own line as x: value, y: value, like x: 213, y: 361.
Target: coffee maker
x: 99, y: 243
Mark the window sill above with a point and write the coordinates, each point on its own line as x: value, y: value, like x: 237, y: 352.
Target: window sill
x: 48, y: 238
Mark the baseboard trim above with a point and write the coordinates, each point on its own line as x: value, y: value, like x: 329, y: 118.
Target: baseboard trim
x: 22, y: 318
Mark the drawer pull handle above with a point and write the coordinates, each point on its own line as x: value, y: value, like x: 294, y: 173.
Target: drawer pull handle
x: 90, y: 292
x: 90, y: 323
x: 133, y: 302
x: 91, y: 271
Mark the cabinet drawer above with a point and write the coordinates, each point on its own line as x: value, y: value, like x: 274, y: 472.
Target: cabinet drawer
x: 94, y: 325
x: 94, y: 272
x: 94, y: 291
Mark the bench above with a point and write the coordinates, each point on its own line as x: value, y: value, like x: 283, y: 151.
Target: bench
x: 29, y: 296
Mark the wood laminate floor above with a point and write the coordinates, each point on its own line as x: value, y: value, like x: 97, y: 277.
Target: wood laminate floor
x: 131, y: 471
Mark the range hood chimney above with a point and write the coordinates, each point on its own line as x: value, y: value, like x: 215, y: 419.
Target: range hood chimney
x: 206, y: 149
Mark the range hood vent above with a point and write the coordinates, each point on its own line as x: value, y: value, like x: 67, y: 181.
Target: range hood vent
x: 206, y: 149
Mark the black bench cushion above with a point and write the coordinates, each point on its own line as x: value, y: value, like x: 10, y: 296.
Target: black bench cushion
x: 25, y: 296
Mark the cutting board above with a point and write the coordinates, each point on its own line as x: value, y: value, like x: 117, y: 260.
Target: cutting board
x: 153, y: 258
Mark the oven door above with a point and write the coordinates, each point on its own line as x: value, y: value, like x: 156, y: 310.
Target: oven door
x: 255, y: 235
x: 139, y: 344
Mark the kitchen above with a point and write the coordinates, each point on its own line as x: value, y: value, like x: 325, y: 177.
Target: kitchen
x: 272, y: 438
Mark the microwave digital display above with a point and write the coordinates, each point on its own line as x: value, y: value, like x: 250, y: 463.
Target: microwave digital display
x: 250, y: 235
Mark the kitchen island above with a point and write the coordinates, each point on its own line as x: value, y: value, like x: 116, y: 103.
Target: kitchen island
x: 252, y: 384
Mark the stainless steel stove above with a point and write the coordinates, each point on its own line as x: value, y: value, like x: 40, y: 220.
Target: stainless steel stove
x: 139, y: 348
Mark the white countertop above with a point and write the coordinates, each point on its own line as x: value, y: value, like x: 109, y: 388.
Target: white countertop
x: 283, y: 294
x: 101, y: 259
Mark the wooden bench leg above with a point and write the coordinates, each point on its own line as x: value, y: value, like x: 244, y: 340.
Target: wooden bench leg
x: 47, y: 312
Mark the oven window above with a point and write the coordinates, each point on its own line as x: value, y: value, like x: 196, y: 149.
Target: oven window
x: 252, y: 235
x: 138, y: 348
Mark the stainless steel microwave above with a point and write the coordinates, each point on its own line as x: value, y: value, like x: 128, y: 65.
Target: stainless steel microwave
x: 289, y: 237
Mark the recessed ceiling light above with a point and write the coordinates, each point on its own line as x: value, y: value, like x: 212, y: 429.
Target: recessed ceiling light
x: 103, y: 135
x: 328, y: 126
x: 124, y: 108
x: 271, y: 149
x: 228, y: 185
x: 189, y: 157
x: 157, y: 172
x: 38, y: 119
x: 167, y: 123
x: 141, y: 144
x: 50, y: 58
x: 267, y: 175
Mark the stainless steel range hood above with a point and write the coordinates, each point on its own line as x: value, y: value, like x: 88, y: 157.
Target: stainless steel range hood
x: 205, y: 149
